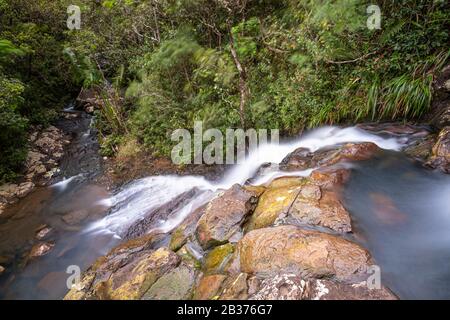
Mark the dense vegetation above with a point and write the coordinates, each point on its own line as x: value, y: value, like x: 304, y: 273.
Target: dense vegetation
x: 159, y: 65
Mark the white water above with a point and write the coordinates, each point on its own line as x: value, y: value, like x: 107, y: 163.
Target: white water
x: 62, y: 185
x: 141, y: 196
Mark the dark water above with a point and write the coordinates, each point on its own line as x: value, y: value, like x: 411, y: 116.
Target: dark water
x: 46, y: 277
x: 73, y: 192
x: 402, y: 213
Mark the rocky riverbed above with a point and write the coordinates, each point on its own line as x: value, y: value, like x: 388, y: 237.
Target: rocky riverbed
x: 333, y: 215
x: 289, y: 238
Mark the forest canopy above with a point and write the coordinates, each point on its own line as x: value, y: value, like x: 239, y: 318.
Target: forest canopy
x: 159, y: 65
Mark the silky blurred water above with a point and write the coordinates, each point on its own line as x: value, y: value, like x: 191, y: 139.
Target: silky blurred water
x: 401, y: 211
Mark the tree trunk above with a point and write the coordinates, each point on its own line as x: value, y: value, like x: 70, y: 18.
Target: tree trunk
x: 243, y: 87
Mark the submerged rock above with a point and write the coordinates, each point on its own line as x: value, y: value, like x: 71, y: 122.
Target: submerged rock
x: 289, y: 249
x: 41, y: 249
x: 75, y: 217
x: 330, y: 177
x: 42, y: 232
x: 153, y: 218
x: 224, y: 216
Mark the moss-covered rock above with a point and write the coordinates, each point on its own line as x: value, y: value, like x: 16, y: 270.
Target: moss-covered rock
x: 174, y: 285
x: 217, y: 258
x: 276, y: 200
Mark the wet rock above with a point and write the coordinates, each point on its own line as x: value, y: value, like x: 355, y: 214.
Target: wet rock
x: 299, y: 159
x: 352, y: 152
x: 187, y: 228
x: 224, y: 216
x: 125, y: 273
x: 8, y: 194
x: 421, y: 149
x: 281, y: 287
x: 209, y: 287
x: 174, y: 285
x: 440, y: 109
x: 324, y: 209
x: 275, y: 201
x: 440, y: 157
x: 217, y: 258
x: 322, y: 289
x: 43, y: 232
x: 235, y: 288
x: 189, y: 257
x: 24, y: 189
x: 41, y: 249
x: 75, y: 217
x: 330, y: 177
x: 289, y: 249
x: 46, y: 149
x: 302, y: 159
x: 152, y: 218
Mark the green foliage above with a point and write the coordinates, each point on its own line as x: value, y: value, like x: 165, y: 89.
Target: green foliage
x: 13, y: 129
x: 169, y: 63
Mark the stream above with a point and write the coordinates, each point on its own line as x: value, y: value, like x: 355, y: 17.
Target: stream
x: 399, y: 209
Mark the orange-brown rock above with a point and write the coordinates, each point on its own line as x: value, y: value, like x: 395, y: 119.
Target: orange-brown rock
x: 440, y: 157
x: 290, y: 249
x: 326, y: 211
x: 224, y: 216
x: 209, y: 287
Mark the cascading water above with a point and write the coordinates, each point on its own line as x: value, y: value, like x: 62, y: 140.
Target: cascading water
x: 140, y: 197
x: 388, y: 184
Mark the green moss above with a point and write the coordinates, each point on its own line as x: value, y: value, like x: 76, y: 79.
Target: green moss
x: 217, y: 258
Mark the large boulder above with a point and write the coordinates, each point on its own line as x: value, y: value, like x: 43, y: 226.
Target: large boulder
x: 321, y: 209
x: 304, y: 202
x: 224, y: 216
x: 127, y: 272
x: 275, y: 201
x: 290, y: 249
x: 302, y: 159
